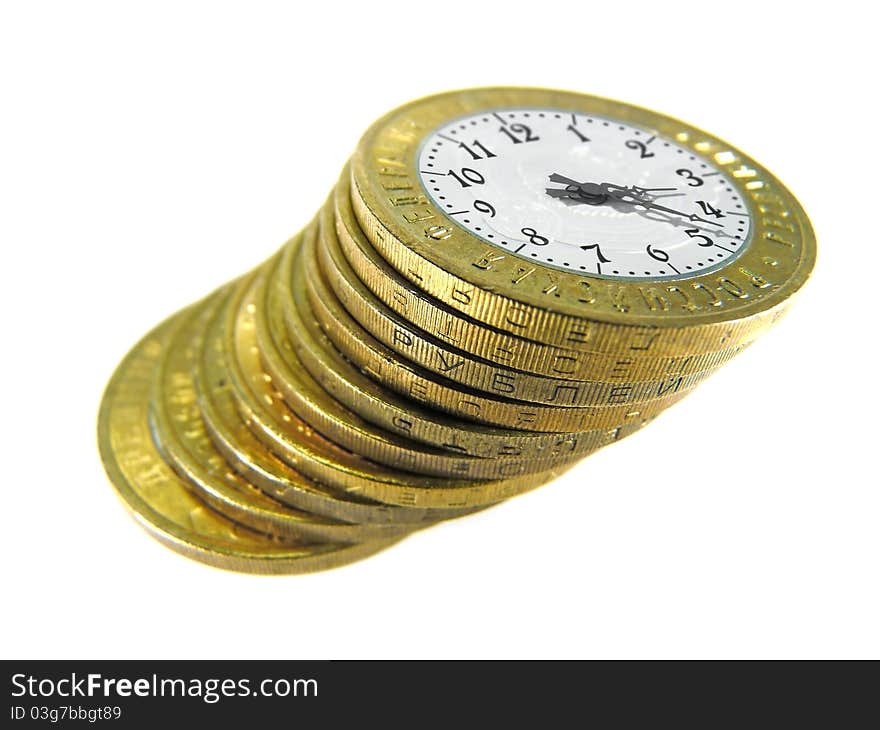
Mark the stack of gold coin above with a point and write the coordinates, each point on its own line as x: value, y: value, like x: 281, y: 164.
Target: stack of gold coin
x: 502, y: 282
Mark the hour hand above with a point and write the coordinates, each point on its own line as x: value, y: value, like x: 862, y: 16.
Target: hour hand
x: 560, y: 193
x: 557, y: 178
x: 631, y: 196
x: 576, y: 192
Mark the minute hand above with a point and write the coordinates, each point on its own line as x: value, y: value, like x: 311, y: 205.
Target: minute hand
x: 629, y: 195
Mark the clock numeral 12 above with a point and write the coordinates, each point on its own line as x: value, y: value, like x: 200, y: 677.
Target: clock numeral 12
x: 519, y: 133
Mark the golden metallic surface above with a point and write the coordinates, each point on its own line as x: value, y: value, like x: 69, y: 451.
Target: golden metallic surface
x: 250, y: 457
x: 418, y: 385
x: 634, y: 363
x: 448, y: 362
x: 235, y: 359
x: 415, y: 382
x: 180, y: 434
x: 694, y: 315
x: 328, y: 416
x: 159, y: 500
x: 385, y: 408
x: 274, y: 424
x: 387, y: 370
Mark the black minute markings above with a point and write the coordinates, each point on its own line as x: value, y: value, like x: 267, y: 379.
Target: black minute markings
x: 576, y: 118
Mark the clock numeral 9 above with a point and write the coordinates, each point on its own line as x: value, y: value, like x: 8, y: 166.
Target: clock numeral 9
x: 467, y: 177
x: 658, y: 254
x: 519, y: 133
x: 484, y: 207
x: 635, y: 144
x: 693, y: 181
x: 704, y: 241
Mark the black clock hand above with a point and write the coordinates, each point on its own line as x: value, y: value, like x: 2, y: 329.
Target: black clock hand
x: 629, y: 195
x: 598, y: 193
x: 557, y: 178
x: 589, y: 193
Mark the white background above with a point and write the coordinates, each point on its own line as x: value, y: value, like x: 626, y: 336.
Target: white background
x: 150, y: 151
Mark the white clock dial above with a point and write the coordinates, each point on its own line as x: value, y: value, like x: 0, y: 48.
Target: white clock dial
x: 584, y: 194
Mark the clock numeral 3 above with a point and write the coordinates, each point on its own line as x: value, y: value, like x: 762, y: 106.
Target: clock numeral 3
x: 693, y: 181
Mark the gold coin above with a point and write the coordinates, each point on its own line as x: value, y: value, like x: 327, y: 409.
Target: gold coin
x: 386, y: 367
x: 449, y: 362
x: 159, y: 500
x: 386, y: 409
x: 341, y: 425
x: 250, y: 457
x: 307, y: 451
x: 544, y: 299
x: 475, y: 307
x: 415, y: 382
x: 442, y: 323
x: 180, y: 434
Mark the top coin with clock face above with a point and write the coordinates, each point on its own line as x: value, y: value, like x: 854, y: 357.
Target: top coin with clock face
x: 587, y: 194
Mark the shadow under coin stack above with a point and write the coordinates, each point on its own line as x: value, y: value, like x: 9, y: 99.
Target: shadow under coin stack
x: 502, y: 282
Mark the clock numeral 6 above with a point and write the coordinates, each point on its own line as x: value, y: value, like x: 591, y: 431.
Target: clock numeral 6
x: 658, y: 254
x: 467, y: 177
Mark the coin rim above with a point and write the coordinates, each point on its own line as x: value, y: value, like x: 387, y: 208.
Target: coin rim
x: 265, y: 557
x: 441, y: 267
